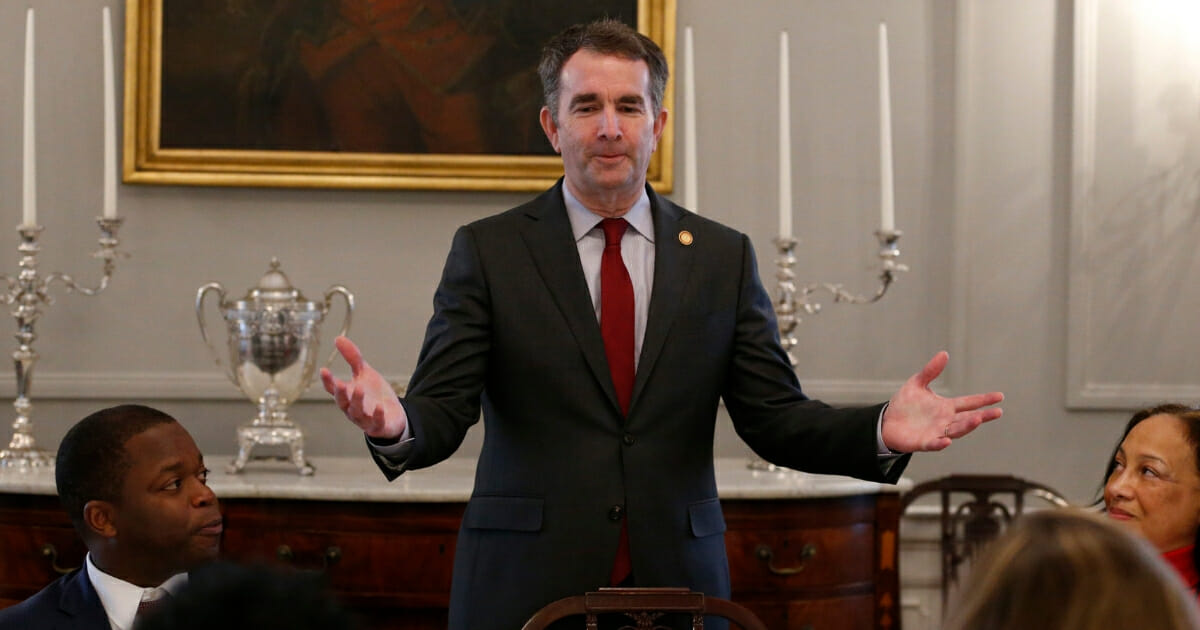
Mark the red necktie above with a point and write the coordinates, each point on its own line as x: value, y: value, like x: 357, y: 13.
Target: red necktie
x: 616, y: 326
x: 616, y: 311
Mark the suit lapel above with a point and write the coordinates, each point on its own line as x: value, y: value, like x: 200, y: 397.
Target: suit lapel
x: 81, y: 603
x: 672, y: 262
x: 552, y: 246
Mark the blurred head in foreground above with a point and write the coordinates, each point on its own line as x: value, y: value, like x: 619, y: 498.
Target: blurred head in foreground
x: 224, y: 596
x: 1071, y: 570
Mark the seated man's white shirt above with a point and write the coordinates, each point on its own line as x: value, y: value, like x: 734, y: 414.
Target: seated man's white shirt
x: 120, y: 598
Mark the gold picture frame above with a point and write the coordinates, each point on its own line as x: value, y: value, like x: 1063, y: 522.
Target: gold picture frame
x: 205, y: 141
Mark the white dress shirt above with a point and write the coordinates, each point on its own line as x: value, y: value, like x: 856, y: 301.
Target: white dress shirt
x: 120, y: 598
x: 637, y: 252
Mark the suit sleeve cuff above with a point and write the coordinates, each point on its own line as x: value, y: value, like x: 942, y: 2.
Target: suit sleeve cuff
x: 395, y: 452
x: 882, y: 449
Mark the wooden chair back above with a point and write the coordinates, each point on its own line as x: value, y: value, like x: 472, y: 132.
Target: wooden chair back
x: 975, y: 509
x: 641, y: 607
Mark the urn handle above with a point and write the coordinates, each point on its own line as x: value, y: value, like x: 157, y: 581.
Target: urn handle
x: 200, y: 296
x: 349, y: 297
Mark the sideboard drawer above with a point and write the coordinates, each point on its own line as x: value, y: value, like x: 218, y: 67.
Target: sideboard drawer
x: 30, y: 555
x: 816, y: 564
x: 840, y: 613
x: 410, y: 569
x: 36, y: 537
x: 774, y: 559
x: 402, y: 553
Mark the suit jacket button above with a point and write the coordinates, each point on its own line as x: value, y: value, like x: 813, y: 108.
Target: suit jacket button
x: 615, y: 512
x: 627, y: 439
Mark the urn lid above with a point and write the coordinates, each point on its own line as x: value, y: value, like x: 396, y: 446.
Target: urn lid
x: 274, y: 287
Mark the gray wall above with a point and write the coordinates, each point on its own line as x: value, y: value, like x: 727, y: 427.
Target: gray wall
x: 982, y: 114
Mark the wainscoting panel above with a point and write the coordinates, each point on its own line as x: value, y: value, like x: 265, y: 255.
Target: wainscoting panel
x: 1135, y: 206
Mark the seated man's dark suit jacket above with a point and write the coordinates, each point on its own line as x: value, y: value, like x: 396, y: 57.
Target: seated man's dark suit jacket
x: 514, y: 329
x: 68, y: 603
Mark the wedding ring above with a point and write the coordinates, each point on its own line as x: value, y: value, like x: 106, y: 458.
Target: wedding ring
x: 947, y: 431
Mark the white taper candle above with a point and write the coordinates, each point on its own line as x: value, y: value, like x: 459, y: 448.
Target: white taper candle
x: 689, y: 124
x: 887, y: 215
x: 785, y: 142
x: 110, y: 124
x: 29, y: 201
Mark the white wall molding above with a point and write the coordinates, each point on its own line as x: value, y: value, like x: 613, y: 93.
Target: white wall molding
x: 850, y: 391
x: 142, y: 386
x: 1083, y: 187
x: 960, y: 272
x: 1129, y: 395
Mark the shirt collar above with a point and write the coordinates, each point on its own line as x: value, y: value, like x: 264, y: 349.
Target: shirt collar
x: 584, y: 220
x: 120, y: 598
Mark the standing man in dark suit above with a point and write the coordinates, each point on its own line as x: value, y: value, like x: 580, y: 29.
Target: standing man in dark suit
x: 597, y: 461
x: 135, y: 486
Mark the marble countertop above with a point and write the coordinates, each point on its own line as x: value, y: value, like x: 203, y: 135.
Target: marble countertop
x: 357, y: 479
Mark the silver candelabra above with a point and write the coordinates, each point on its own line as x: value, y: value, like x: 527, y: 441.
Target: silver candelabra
x: 792, y: 300
x: 26, y: 294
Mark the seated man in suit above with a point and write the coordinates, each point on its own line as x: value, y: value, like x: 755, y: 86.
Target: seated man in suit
x: 135, y: 487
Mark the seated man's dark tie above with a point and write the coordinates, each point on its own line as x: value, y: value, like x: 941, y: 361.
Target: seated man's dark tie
x: 150, y: 606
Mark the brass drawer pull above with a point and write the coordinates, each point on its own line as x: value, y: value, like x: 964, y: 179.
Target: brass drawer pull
x: 49, y: 551
x: 331, y: 556
x: 765, y: 554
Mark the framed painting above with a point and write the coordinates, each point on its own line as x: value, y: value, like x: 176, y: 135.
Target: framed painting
x: 417, y: 94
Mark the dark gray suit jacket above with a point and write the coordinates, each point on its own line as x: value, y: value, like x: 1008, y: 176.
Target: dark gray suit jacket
x: 514, y: 330
x: 68, y: 603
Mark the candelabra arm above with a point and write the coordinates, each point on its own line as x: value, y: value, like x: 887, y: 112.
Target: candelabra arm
x: 840, y: 294
x: 71, y: 286
x: 108, y: 253
x: 888, y: 252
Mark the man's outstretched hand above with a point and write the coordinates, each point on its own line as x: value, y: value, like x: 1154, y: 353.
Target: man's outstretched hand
x: 367, y: 399
x: 917, y: 419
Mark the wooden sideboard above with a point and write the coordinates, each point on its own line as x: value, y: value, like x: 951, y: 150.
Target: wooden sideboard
x: 819, y: 562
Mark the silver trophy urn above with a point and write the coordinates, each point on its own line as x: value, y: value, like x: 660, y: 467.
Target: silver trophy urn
x: 273, y: 341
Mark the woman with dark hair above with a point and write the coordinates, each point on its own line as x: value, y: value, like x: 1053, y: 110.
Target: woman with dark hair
x: 1152, y: 484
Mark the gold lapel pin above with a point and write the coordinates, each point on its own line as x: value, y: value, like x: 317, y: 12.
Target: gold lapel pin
x: 685, y: 237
